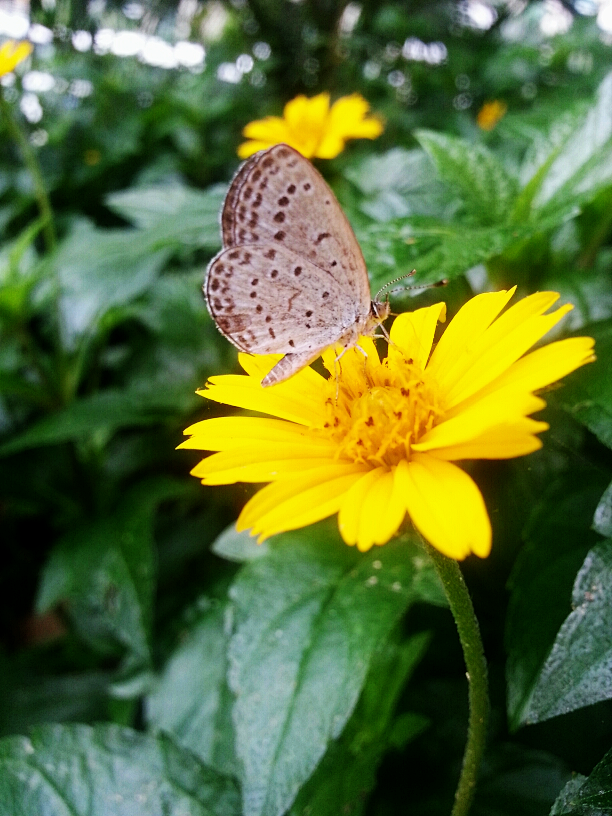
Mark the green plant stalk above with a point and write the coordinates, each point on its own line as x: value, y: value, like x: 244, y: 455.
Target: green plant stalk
x: 31, y: 162
x: 469, y: 635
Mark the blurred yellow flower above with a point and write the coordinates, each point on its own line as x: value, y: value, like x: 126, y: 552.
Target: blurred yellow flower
x: 12, y: 53
x: 312, y: 127
x: 379, y: 441
x: 490, y: 114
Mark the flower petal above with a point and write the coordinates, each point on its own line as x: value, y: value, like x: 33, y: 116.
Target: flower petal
x: 254, y: 463
x: 296, y: 502
x: 501, y: 442
x: 501, y: 408
x: 465, y: 328
x: 413, y: 333
x: 541, y: 367
x: 297, y: 399
x: 501, y: 346
x: 372, y: 510
x: 231, y: 433
x: 347, y: 120
x: 445, y: 506
x: 12, y: 53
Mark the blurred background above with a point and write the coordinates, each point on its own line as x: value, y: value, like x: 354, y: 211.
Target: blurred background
x: 125, y: 121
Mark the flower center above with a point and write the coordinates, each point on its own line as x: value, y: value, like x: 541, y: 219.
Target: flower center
x: 378, y: 424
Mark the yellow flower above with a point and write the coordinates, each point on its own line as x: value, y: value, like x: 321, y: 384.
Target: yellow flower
x: 11, y: 54
x: 490, y: 114
x: 312, y: 127
x: 379, y: 440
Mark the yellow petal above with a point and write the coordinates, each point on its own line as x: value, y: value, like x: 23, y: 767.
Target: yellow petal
x: 501, y: 442
x: 302, y: 111
x: 445, y: 506
x: 231, y: 433
x: 12, y: 53
x: 299, y: 501
x: 502, y: 407
x: 298, y: 399
x: 256, y: 464
x: 413, y: 333
x: 271, y: 129
x: 371, y: 511
x: 541, y: 367
x: 465, y: 328
x: 348, y: 120
x: 497, y: 351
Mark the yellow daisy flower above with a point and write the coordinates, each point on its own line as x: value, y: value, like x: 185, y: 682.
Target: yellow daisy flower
x: 490, y: 114
x: 312, y: 127
x: 12, y: 53
x: 378, y: 441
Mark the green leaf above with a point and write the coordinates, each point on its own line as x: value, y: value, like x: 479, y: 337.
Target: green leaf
x: 77, y: 770
x: 558, y: 539
x: 591, y: 798
x: 577, y: 670
x: 103, y: 412
x: 309, y: 618
x: 347, y: 772
x: 398, y: 184
x: 486, y: 189
x: 239, y: 547
x: 587, y: 393
x: 28, y: 699
x: 191, y: 700
x: 175, y: 213
x: 105, y: 572
x: 99, y: 269
x: 583, y: 165
x: 517, y: 781
x: 602, y: 520
x: 437, y: 249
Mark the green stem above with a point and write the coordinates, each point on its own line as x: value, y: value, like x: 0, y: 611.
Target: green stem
x: 469, y: 634
x: 31, y: 162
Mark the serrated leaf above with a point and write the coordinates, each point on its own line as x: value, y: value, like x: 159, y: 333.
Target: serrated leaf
x: 309, y: 619
x: 437, y: 249
x: 105, y: 573
x: 397, y: 184
x: 591, y: 798
x: 577, y: 670
x: 587, y: 394
x: 175, y: 212
x: 78, y: 770
x: 191, y: 699
x: 487, y: 190
x: 557, y: 541
x: 584, y: 164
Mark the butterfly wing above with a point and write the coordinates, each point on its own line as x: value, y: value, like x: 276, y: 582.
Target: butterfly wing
x: 279, y: 198
x: 267, y: 299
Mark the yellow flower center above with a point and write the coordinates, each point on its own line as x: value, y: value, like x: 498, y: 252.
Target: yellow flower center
x: 378, y: 424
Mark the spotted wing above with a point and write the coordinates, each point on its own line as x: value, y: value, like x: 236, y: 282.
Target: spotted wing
x: 267, y: 299
x: 279, y: 198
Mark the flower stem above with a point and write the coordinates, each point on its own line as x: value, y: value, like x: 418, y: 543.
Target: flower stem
x: 31, y: 162
x: 469, y: 635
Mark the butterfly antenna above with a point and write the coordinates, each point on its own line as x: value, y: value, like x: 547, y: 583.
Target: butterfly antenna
x: 435, y: 285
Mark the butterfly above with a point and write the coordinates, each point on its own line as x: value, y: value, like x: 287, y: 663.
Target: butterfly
x: 291, y: 278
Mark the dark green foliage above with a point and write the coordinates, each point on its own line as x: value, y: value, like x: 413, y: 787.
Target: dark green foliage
x: 154, y: 660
